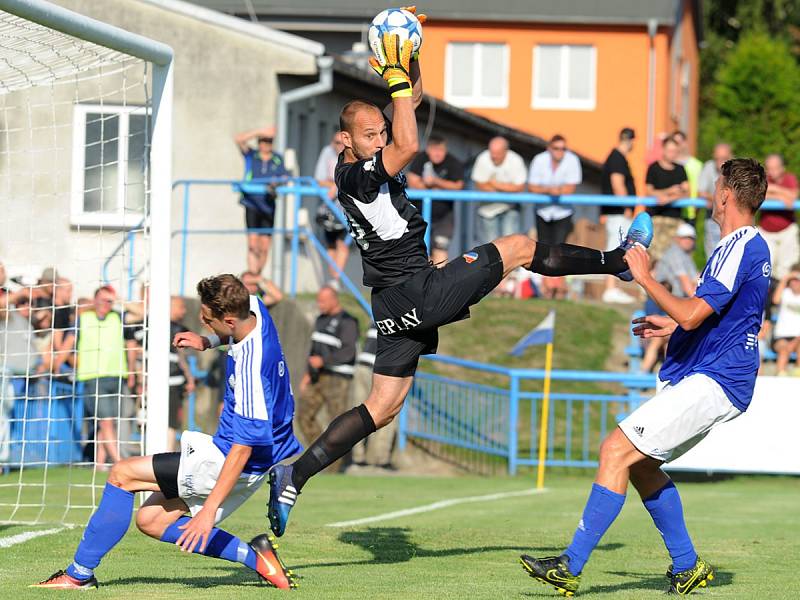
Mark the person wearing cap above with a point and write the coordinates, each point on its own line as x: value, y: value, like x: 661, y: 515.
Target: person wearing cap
x: 676, y: 266
x: 617, y: 180
x: 259, y: 208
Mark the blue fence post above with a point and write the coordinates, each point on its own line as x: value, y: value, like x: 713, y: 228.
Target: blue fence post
x: 295, y: 247
x: 426, y: 214
x: 513, y: 413
x: 191, y: 422
x: 402, y: 427
x: 184, y: 235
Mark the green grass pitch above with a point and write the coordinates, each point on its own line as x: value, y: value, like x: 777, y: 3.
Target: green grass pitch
x: 747, y: 527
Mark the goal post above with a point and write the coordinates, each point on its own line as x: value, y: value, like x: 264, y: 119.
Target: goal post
x: 67, y: 78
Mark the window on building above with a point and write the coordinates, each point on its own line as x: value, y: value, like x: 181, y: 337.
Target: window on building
x: 476, y: 75
x: 564, y: 77
x: 109, y: 165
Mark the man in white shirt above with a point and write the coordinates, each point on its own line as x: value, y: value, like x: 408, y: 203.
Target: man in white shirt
x: 554, y: 172
x: 705, y: 189
x: 498, y: 169
x: 334, y: 231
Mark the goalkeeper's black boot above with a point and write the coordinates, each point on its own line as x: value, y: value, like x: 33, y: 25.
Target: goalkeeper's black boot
x: 553, y: 570
x: 685, y: 582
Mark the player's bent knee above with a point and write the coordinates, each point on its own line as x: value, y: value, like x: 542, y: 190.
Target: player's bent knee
x: 148, y: 523
x: 121, y: 475
x: 616, y: 449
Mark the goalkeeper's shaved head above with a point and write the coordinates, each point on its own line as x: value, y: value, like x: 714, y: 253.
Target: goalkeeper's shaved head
x: 348, y: 115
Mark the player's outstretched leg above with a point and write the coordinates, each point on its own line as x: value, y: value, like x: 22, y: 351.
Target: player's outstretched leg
x: 345, y: 431
x: 164, y: 519
x: 106, y: 527
x: 567, y: 259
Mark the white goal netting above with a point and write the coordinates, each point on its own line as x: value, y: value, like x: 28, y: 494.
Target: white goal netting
x: 75, y: 254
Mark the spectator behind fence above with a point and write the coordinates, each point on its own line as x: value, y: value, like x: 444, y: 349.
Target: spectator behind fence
x: 693, y: 166
x: 654, y: 348
x: 617, y: 180
x: 259, y: 209
x: 376, y: 449
x: 498, y: 169
x: 778, y: 227
x: 554, y: 172
x: 258, y: 285
x: 334, y: 231
x: 705, y: 189
x: 326, y: 383
x: 786, y: 337
x: 103, y: 366
x: 181, y: 379
x: 666, y: 180
x: 19, y: 359
x: 437, y: 169
x: 676, y: 266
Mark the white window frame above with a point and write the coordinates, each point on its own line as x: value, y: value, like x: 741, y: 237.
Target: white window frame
x: 475, y: 101
x: 563, y: 102
x: 119, y: 218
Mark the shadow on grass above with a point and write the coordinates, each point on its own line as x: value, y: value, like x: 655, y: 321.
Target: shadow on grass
x: 390, y: 545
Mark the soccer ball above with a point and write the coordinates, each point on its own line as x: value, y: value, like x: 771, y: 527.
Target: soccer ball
x: 398, y: 21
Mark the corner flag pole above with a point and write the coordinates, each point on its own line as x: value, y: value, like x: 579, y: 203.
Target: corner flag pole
x: 548, y: 366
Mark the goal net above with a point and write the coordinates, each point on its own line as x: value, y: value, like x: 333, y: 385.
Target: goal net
x: 84, y: 247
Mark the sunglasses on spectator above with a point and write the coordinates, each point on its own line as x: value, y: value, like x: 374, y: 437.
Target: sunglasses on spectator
x: 268, y: 140
x: 558, y: 148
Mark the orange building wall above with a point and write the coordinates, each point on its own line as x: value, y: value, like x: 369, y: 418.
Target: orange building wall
x: 621, y: 92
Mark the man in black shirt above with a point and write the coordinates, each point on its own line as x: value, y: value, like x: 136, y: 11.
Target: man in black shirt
x: 437, y: 169
x: 411, y: 299
x: 617, y: 180
x: 667, y: 181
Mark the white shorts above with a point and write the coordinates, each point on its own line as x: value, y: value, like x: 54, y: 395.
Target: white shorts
x: 200, y: 465
x: 614, y: 225
x: 678, y: 417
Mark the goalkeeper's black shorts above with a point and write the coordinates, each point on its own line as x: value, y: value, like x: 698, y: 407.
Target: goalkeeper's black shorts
x: 409, y: 315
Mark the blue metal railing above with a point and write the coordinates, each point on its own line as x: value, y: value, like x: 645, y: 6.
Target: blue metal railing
x: 503, y: 421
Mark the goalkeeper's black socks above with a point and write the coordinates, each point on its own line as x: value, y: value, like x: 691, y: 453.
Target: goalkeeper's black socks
x: 566, y: 259
x: 344, y: 432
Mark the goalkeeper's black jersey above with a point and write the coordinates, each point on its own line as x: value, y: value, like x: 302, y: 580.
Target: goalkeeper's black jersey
x: 389, y: 230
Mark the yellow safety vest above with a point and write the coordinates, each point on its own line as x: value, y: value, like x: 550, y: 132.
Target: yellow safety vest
x: 101, y: 347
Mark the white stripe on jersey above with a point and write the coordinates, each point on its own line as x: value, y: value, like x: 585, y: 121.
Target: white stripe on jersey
x: 382, y: 215
x: 728, y: 258
x: 250, y: 399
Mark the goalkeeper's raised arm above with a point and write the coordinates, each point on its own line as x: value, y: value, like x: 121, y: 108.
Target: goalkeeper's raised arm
x: 399, y: 67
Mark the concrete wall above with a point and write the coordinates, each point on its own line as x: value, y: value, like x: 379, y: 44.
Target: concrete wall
x: 225, y: 82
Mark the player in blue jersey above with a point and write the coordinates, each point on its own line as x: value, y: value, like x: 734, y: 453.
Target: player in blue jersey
x: 211, y: 476
x: 707, y: 378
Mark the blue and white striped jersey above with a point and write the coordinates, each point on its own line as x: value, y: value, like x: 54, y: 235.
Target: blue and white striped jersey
x: 259, y: 404
x: 735, y: 283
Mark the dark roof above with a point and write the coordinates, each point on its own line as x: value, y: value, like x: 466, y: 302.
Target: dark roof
x: 479, y: 128
x: 629, y: 12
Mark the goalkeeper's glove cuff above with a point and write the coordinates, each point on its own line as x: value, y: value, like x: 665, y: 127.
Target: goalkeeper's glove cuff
x: 399, y: 87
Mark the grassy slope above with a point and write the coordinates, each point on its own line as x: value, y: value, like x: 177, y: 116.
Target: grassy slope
x: 744, y: 526
x: 583, y: 337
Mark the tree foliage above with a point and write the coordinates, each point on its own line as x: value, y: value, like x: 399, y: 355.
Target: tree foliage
x: 756, y: 100
x: 749, y: 76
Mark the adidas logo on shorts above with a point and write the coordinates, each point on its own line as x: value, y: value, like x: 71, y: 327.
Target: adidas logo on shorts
x: 189, y: 449
x: 639, y: 430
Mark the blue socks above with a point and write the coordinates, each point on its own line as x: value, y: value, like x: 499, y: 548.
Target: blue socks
x: 106, y: 528
x: 667, y: 512
x: 221, y: 544
x: 601, y: 509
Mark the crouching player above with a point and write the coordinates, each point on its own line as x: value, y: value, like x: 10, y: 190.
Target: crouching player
x: 211, y: 476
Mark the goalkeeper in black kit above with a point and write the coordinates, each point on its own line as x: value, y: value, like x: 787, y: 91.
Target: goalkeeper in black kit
x: 411, y: 298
